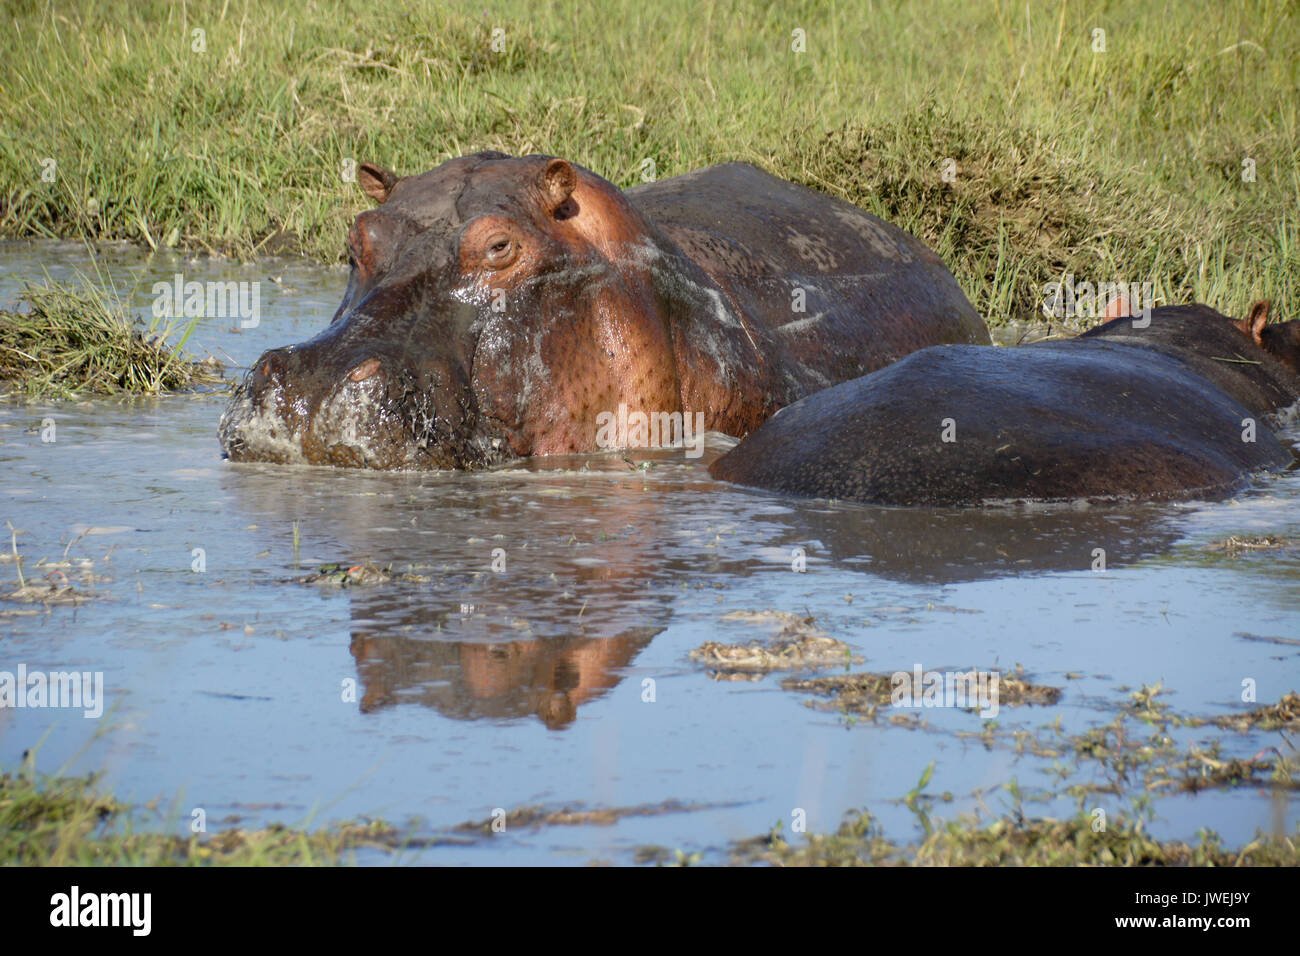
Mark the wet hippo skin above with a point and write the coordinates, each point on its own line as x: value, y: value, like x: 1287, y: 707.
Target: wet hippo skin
x: 1121, y: 411
x: 498, y: 306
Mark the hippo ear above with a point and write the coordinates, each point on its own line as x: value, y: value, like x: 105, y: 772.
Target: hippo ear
x: 1253, y: 324
x: 376, y: 182
x: 1118, y: 308
x: 558, y: 182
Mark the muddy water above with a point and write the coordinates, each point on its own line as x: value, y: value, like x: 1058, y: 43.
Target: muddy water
x: 535, y: 651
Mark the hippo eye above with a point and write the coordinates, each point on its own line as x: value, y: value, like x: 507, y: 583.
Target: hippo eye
x: 501, y: 251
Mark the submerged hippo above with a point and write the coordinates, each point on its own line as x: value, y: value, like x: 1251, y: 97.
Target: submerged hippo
x: 501, y: 307
x: 1172, y: 410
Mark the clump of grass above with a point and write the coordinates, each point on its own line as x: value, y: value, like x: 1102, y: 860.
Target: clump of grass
x: 70, y: 341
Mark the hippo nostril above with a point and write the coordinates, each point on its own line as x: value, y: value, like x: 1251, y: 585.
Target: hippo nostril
x: 366, y: 369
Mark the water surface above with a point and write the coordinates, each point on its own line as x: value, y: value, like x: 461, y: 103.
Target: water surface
x: 564, y: 679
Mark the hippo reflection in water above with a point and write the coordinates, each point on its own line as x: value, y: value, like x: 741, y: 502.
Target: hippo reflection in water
x: 499, y: 307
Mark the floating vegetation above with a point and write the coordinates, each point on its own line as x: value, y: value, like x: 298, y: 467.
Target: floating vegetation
x: 1285, y: 713
x: 865, y: 693
x: 1234, y: 546
x: 798, y: 643
x: 343, y: 576
x: 56, y: 590
x: 54, y: 586
x: 535, y: 817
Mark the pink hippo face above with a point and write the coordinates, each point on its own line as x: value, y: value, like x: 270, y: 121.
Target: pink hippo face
x: 496, y: 306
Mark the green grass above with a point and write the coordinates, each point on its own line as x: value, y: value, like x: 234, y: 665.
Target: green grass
x: 1007, y: 841
x: 1124, y: 164
x: 67, y: 821
x: 64, y: 341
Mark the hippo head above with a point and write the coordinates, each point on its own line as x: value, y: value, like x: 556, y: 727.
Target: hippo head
x: 495, y: 307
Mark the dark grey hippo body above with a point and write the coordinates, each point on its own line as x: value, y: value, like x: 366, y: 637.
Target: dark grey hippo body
x: 1121, y: 411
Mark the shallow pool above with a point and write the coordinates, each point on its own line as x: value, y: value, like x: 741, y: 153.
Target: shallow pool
x: 534, y: 648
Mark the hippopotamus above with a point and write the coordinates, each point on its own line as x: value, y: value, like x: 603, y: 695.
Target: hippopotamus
x: 1168, y: 405
x: 499, y: 306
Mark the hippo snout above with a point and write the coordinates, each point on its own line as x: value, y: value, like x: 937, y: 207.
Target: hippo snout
x: 366, y: 408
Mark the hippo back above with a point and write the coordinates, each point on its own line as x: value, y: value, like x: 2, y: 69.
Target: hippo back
x: 957, y: 425
x: 836, y: 291
x: 1207, y: 342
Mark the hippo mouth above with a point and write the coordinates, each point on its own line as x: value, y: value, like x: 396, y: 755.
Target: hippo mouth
x: 387, y: 422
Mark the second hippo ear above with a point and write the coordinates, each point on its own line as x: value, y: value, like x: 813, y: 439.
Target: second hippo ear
x: 559, y: 180
x: 1253, y: 324
x: 376, y: 182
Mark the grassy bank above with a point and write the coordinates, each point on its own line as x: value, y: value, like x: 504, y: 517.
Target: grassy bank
x: 68, y: 821
x: 121, y: 121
